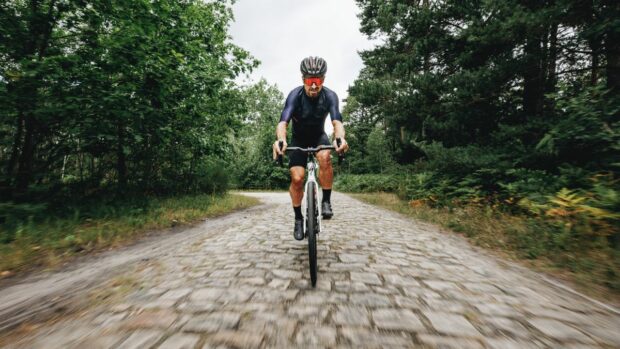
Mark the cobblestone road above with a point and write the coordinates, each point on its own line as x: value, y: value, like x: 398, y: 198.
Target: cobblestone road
x: 385, y: 281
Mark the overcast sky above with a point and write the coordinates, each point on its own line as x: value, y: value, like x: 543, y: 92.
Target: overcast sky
x: 280, y: 33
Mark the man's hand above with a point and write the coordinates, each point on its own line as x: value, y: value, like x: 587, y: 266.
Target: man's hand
x: 276, y: 148
x: 343, y: 148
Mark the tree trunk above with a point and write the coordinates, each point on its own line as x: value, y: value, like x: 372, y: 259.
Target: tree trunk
x: 551, y: 77
x: 17, y: 142
x: 612, y: 53
x: 26, y: 159
x: 533, y: 74
x: 121, y: 165
x: 427, y: 58
x: 40, y: 28
x: 612, y: 47
x: 594, y: 42
x: 532, y: 82
x: 594, y: 70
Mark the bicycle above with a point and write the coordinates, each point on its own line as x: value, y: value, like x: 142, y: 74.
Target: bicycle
x: 311, y: 194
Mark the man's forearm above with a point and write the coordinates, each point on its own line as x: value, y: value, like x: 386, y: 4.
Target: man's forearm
x: 338, y: 129
x: 281, y: 131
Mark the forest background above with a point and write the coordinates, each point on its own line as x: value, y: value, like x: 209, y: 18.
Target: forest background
x: 496, y: 118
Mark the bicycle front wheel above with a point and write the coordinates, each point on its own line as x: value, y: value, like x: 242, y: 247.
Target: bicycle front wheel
x: 312, y: 226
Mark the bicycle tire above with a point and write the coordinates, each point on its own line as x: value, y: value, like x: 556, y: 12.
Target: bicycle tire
x: 312, y: 216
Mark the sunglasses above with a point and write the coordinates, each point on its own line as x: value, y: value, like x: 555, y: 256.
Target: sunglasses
x: 310, y: 81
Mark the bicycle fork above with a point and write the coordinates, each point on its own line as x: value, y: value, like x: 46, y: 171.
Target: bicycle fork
x: 312, y: 179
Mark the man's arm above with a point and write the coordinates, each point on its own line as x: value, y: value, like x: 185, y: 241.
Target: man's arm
x: 339, y: 133
x: 334, y: 113
x: 280, y: 136
x: 338, y: 129
x: 287, y: 114
x: 281, y: 131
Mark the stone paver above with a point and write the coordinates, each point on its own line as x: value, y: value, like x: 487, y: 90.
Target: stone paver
x: 452, y: 324
x: 559, y: 330
x: 509, y: 343
x: 434, y: 341
x: 151, y: 319
x: 385, y: 281
x: 397, y: 319
x: 180, y: 341
x: 141, y: 339
x: 366, y: 278
x: 237, y: 339
x: 506, y: 326
x: 316, y: 336
x: 352, y: 316
x: 176, y: 294
x: 213, y: 322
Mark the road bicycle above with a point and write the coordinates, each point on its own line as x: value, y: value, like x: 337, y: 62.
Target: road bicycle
x: 310, y: 199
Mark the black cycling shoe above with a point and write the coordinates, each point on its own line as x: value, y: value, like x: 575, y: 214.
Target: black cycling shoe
x: 326, y: 210
x: 298, y: 232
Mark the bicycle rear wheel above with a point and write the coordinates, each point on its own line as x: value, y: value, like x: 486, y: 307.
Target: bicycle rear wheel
x: 312, y: 226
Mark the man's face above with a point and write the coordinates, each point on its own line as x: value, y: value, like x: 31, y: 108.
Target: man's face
x: 313, y: 85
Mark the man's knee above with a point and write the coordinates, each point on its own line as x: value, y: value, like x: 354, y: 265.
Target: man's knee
x: 297, y: 178
x: 325, y: 159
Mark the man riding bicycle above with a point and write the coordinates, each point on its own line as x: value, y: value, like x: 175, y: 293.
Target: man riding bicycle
x: 307, y: 106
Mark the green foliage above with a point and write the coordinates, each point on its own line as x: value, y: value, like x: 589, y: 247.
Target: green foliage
x: 587, y: 132
x: 252, y: 165
x: 533, y: 184
x: 378, y: 159
x: 368, y: 182
x: 579, y: 216
x: 492, y: 103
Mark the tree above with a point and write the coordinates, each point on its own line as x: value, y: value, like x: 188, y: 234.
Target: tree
x: 253, y: 165
x: 507, y: 84
x: 114, y: 94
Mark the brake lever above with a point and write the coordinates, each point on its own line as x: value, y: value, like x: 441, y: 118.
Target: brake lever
x: 340, y: 156
x: 279, y: 157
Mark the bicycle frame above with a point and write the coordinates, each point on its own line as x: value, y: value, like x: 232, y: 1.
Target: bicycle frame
x: 311, y: 167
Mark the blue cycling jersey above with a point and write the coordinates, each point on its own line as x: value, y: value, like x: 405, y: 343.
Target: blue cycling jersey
x: 308, y: 114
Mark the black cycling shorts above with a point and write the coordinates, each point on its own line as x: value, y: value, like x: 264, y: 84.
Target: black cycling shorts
x: 298, y: 158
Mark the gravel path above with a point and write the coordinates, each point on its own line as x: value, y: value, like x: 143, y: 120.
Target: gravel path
x: 385, y: 281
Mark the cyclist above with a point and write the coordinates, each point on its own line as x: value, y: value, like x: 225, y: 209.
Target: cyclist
x: 307, y: 106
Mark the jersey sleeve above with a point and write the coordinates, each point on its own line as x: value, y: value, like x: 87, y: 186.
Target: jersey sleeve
x: 289, y: 106
x: 334, y: 110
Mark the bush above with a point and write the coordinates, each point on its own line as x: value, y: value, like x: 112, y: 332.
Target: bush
x: 209, y: 177
x: 579, y: 217
x: 533, y: 184
x: 368, y: 182
x: 458, y: 162
x: 259, y: 172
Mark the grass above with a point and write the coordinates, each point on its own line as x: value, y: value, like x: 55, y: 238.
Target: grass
x: 53, y: 241
x: 590, y: 268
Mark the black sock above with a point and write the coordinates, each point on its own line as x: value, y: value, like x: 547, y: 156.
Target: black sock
x: 298, y: 214
x: 327, y: 195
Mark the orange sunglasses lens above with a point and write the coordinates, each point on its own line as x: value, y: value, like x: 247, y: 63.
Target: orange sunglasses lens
x: 310, y: 81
